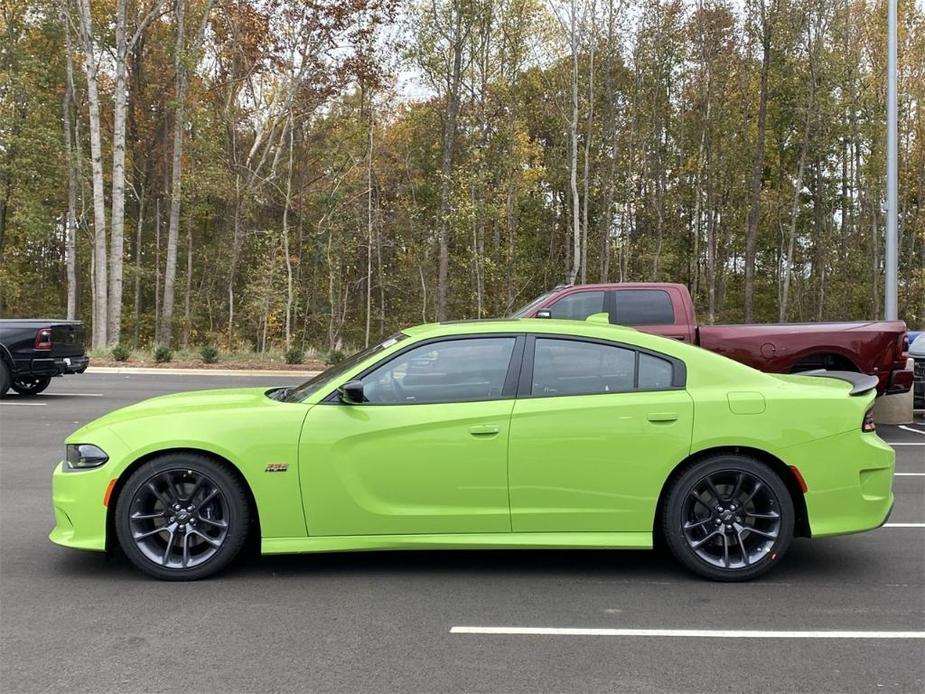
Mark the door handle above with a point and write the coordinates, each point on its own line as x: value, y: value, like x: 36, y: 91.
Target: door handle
x: 484, y: 430
x: 662, y: 416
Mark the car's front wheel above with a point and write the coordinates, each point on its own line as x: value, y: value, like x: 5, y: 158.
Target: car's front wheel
x: 729, y: 518
x: 181, y: 516
x: 32, y: 385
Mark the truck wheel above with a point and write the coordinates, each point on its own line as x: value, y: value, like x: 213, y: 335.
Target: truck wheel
x: 31, y: 386
x: 4, y: 378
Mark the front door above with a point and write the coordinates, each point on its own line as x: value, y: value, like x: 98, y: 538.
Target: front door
x: 427, y: 452
x: 594, y: 434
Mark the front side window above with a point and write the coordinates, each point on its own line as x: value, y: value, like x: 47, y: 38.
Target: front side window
x: 447, y: 371
x: 577, y: 306
x: 568, y: 367
x: 643, y: 307
x: 316, y: 383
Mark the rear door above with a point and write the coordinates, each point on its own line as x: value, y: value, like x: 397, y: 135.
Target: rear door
x: 595, y: 430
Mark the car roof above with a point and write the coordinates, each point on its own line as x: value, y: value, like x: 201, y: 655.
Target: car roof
x: 522, y: 325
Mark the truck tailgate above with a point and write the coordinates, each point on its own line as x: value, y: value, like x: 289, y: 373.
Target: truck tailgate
x: 67, y: 339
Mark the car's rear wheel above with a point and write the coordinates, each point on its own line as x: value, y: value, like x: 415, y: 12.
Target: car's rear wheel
x: 729, y: 518
x: 181, y: 516
x: 32, y: 385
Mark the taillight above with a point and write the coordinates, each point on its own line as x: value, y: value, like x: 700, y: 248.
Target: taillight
x: 869, y: 424
x: 43, y: 340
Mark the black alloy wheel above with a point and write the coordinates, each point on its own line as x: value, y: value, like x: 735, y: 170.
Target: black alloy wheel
x: 181, y: 517
x: 31, y: 385
x: 729, y: 518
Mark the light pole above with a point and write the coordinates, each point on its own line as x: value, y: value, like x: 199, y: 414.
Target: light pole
x: 892, y: 171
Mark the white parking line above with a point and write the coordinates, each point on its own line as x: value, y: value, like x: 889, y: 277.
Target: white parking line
x: 903, y: 525
x: 690, y: 633
x: 24, y: 404
x: 914, y: 431
x: 909, y: 474
x: 72, y: 395
x: 906, y: 443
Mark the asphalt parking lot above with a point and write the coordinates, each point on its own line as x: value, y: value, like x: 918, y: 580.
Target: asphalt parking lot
x: 352, y: 622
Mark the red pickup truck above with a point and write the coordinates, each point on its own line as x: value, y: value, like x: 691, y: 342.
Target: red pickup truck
x: 875, y: 347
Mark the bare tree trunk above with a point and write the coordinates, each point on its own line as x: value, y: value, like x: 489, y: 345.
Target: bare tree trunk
x: 157, y: 269
x: 587, y: 162
x: 188, y: 326
x: 176, y: 176
x: 573, y: 150
x: 70, y: 234
x: 451, y: 116
x: 369, y: 224
x: 176, y: 181
x: 794, y: 214
x: 117, y: 222
x: 100, y: 313
x: 754, y: 212
x: 286, y: 252
x: 139, y: 223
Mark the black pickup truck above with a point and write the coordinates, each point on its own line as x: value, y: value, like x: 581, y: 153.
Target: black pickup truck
x: 34, y: 350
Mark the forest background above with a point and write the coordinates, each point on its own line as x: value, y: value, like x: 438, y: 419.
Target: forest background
x: 264, y: 175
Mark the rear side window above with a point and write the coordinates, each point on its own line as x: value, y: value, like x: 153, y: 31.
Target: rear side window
x: 578, y: 306
x: 642, y: 307
x: 568, y: 367
x: 654, y: 373
x: 573, y: 367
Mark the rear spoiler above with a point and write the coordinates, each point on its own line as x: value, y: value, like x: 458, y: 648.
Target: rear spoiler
x: 860, y: 383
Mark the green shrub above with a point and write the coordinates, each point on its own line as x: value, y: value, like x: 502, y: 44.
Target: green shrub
x: 295, y: 356
x: 335, y: 356
x: 162, y: 355
x: 120, y: 353
x: 209, y: 355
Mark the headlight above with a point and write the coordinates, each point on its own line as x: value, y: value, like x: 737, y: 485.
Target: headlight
x: 83, y: 456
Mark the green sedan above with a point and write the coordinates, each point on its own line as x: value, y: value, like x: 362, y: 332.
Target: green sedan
x: 489, y: 434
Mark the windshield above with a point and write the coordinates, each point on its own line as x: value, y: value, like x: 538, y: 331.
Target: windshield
x: 316, y: 383
x: 524, y: 311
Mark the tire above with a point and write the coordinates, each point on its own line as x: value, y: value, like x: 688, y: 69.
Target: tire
x: 32, y: 385
x: 4, y: 378
x: 182, y: 517
x: 747, y: 537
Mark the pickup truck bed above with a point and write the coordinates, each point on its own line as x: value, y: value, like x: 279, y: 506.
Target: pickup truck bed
x: 875, y: 348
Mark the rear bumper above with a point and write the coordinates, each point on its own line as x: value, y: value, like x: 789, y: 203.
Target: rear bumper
x: 849, y: 479
x: 896, y: 381
x: 55, y: 366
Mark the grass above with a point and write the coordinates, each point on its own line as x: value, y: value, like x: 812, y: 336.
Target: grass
x: 314, y: 359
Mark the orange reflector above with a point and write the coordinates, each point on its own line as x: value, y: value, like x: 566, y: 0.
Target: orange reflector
x: 112, y: 483
x: 800, y: 480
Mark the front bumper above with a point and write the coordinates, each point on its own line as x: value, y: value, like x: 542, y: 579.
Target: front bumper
x: 80, y: 516
x: 849, y: 479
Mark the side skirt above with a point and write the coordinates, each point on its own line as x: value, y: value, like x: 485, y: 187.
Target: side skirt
x: 360, y: 543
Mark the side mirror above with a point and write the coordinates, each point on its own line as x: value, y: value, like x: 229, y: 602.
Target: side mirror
x: 351, y: 393
x: 544, y: 313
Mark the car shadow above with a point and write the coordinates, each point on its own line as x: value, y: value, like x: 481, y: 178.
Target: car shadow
x: 807, y: 562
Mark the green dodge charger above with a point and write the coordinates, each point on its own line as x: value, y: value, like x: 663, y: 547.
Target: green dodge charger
x: 486, y: 434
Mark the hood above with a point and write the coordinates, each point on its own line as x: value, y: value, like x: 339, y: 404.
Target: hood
x: 211, y: 401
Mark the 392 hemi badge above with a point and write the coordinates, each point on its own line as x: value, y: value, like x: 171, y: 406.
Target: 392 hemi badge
x: 277, y: 467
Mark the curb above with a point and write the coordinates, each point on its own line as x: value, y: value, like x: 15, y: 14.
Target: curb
x: 142, y: 371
